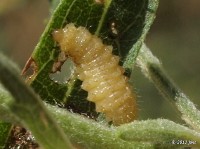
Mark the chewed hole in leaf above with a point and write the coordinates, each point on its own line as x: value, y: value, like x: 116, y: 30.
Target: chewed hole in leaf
x: 63, y: 75
x: 30, y: 69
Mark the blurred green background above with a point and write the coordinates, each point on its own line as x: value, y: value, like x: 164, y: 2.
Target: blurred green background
x: 174, y: 38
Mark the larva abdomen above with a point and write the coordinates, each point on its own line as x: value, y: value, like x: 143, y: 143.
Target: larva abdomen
x: 101, y: 75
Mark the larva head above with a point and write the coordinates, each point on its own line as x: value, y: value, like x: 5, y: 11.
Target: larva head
x: 58, y: 35
x: 65, y: 37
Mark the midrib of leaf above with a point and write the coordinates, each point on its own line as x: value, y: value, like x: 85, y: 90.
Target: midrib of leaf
x: 68, y: 11
x: 105, y: 10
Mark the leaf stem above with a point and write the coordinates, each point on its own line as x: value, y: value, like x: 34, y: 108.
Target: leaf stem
x: 101, y: 21
x: 152, y: 69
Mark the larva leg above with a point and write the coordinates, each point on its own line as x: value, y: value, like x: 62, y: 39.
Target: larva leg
x: 101, y: 75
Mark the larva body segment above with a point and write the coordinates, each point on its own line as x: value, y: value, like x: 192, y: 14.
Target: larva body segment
x: 101, y: 75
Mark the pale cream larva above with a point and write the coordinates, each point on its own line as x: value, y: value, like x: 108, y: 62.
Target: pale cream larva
x: 98, y: 68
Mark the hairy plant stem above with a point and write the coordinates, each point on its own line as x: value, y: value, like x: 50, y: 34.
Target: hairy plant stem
x: 152, y: 69
x: 82, y: 131
x: 29, y: 109
x: 90, y: 134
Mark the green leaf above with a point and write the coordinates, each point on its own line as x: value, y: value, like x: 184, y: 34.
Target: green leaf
x: 118, y: 23
x: 29, y: 109
x: 162, y: 133
x: 148, y: 20
x: 4, y: 133
x: 90, y: 134
x: 4, y: 126
x: 82, y: 131
x: 152, y: 69
x: 149, y: 134
x: 53, y: 4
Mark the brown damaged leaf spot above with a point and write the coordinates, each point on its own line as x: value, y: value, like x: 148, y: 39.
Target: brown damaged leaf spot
x: 60, y: 61
x: 30, y: 64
